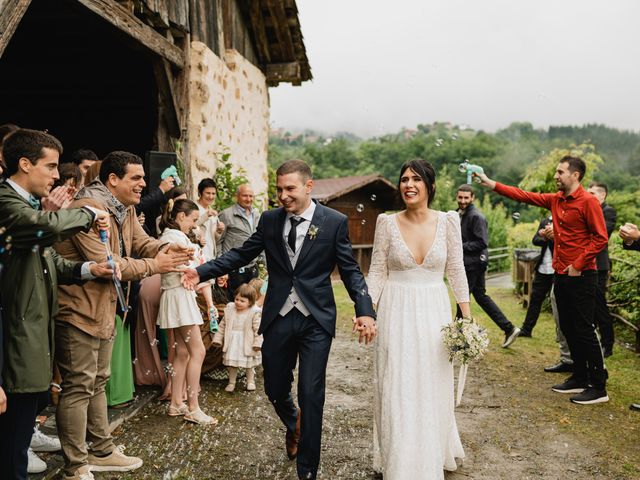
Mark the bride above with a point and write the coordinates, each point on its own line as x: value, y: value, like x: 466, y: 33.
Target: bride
x: 415, y: 432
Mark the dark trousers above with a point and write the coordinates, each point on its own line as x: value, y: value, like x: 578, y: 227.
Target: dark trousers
x: 237, y: 278
x: 477, y: 288
x: 575, y: 297
x: 541, y: 287
x: 289, y: 338
x: 16, y: 429
x: 603, y: 318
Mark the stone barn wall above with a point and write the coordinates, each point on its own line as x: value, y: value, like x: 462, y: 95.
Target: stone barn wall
x: 229, y: 107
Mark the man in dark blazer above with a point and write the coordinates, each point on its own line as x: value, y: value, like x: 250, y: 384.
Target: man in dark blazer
x: 542, y: 279
x: 602, y: 316
x: 475, y: 241
x: 303, y: 242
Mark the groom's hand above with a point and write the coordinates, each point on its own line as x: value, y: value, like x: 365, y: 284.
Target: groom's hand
x: 366, y: 326
x: 190, y: 278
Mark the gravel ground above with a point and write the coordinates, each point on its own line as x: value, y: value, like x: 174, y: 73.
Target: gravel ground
x: 501, y: 441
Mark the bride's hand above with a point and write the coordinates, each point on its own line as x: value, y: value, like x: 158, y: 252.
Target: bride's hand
x: 367, y: 328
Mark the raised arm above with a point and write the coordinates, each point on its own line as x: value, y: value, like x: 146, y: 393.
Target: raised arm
x: 514, y: 193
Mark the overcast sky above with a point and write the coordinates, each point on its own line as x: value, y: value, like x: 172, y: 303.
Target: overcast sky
x: 380, y: 65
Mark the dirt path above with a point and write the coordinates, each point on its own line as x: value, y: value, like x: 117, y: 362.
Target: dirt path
x: 501, y: 434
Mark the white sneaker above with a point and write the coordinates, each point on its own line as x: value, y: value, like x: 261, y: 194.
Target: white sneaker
x: 44, y: 443
x: 36, y: 464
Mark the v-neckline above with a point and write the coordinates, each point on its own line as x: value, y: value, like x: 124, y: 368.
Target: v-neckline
x: 435, y: 237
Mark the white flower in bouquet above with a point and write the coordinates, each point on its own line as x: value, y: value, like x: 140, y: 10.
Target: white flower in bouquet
x: 464, y: 340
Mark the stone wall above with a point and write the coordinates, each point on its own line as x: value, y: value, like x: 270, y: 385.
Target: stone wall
x: 229, y: 109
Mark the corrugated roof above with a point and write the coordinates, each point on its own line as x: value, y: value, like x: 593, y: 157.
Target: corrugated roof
x: 326, y: 189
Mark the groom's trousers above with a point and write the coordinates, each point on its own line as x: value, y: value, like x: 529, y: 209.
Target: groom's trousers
x: 287, y: 339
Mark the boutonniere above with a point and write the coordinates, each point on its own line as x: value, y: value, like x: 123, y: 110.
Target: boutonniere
x: 313, y: 232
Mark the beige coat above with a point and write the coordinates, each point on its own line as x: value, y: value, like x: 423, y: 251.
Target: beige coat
x: 91, y: 307
x: 251, y: 337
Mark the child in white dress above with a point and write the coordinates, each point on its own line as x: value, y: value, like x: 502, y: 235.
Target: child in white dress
x: 238, y: 335
x: 179, y: 311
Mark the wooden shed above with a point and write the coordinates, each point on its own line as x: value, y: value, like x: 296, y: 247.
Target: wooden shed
x: 361, y: 199
x: 190, y: 76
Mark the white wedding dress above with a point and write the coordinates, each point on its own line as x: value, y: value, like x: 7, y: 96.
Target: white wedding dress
x: 415, y: 431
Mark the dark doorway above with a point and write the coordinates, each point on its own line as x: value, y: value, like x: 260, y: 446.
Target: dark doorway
x: 68, y: 71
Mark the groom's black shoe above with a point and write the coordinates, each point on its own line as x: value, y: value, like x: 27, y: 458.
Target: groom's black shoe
x: 292, y: 439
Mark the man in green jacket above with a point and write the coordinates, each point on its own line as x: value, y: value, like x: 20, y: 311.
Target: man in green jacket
x: 31, y: 271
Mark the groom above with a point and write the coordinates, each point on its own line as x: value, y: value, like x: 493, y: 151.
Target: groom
x: 303, y: 241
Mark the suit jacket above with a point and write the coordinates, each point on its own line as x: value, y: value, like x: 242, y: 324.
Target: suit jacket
x: 610, y: 217
x: 634, y: 246
x: 475, y: 238
x: 539, y: 241
x: 311, y: 278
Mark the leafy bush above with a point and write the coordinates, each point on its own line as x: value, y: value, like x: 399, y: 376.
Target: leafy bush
x: 227, y: 180
x: 625, y: 282
x: 520, y: 235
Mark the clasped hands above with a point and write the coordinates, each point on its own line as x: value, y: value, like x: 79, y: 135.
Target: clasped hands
x: 366, y: 326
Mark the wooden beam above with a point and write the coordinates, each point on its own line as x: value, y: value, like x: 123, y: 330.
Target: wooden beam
x: 117, y: 16
x: 283, y: 72
x: 10, y: 16
x: 281, y: 24
x: 257, y: 21
x: 166, y: 91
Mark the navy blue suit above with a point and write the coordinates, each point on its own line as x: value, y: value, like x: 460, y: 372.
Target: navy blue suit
x: 295, y: 336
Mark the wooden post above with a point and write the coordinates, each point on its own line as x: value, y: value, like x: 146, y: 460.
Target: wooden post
x: 10, y: 16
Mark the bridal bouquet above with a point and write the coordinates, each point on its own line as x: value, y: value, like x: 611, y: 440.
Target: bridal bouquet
x: 464, y: 340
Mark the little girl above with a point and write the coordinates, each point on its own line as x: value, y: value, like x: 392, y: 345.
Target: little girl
x: 179, y: 312
x: 238, y: 335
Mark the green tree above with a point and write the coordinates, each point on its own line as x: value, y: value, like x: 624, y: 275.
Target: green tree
x: 540, y: 177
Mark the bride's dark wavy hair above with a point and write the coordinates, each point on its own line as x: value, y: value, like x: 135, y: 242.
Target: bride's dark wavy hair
x: 426, y: 172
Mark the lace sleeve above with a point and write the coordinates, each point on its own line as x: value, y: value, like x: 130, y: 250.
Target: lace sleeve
x: 379, y: 266
x: 454, y: 267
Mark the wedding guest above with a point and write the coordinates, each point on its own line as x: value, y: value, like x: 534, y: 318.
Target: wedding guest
x: 87, y: 319
x: 84, y: 158
x: 579, y: 234
x: 603, y: 318
x: 238, y: 335
x: 179, y: 312
x: 152, y: 203
x: 92, y: 172
x: 630, y: 235
x: 240, y: 222
x: 475, y: 240
x: 31, y: 159
x: 209, y: 222
x: 542, y: 279
x: 260, y: 286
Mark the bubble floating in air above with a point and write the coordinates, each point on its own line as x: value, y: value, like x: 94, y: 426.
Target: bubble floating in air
x: 360, y: 207
x: 363, y: 221
x: 39, y: 233
x: 516, y: 216
x: 373, y: 197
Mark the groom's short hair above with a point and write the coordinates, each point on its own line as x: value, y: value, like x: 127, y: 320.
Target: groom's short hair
x: 295, y: 166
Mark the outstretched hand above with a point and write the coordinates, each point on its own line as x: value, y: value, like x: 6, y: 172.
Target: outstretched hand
x: 366, y: 326
x: 484, y: 180
x: 190, y: 278
x: 105, y: 270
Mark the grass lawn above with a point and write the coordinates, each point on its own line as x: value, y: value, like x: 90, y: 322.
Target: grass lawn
x: 611, y: 428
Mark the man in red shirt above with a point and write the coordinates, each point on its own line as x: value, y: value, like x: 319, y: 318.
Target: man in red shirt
x: 579, y: 234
